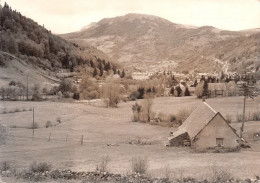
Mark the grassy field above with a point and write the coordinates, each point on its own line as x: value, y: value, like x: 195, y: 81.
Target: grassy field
x: 109, y: 131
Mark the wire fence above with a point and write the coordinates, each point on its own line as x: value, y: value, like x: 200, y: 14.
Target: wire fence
x: 67, y: 139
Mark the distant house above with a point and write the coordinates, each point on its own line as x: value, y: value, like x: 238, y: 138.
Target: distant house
x: 192, y: 90
x: 205, y: 128
x: 140, y: 75
x: 217, y: 89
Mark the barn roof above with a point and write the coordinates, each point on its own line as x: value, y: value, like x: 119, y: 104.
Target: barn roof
x: 217, y: 86
x: 197, y: 120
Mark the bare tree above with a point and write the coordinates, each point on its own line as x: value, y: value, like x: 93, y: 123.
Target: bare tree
x: 88, y: 89
x: 111, y: 94
x: 136, y: 108
x: 147, y: 104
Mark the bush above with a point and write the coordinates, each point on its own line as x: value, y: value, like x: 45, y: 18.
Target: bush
x: 5, y: 166
x: 256, y: 116
x: 33, y: 126
x: 163, y: 117
x: 17, y: 110
x: 76, y: 96
x: 102, y: 166
x: 228, y: 118
x: 139, y: 165
x: 58, y: 120
x: 219, y: 175
x: 182, y: 115
x: 134, y: 95
x: 39, y: 167
x: 48, y: 124
x: 239, y: 118
x: 173, y: 118
x: 4, y: 132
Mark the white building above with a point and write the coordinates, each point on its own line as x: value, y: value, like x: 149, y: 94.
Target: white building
x: 141, y: 75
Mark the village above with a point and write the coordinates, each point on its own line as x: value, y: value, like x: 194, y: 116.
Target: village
x: 103, y: 92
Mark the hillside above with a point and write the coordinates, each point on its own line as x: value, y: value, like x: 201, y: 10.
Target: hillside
x: 149, y: 42
x: 29, y: 48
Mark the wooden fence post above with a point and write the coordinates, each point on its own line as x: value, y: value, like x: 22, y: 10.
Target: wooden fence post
x: 49, y: 137
x: 81, y: 142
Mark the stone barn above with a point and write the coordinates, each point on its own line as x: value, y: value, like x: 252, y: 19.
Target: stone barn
x: 205, y: 129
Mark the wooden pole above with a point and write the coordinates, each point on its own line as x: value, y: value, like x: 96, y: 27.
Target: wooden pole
x: 243, y: 123
x: 245, y: 87
x: 81, y: 142
x: 49, y: 137
x: 27, y: 89
x: 33, y: 123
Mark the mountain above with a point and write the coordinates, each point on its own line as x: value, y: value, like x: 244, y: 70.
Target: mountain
x: 145, y: 42
x: 30, y: 49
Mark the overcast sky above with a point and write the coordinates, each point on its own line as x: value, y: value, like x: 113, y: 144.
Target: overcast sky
x: 63, y: 16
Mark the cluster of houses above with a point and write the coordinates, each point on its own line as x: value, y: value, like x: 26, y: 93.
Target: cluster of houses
x: 141, y: 75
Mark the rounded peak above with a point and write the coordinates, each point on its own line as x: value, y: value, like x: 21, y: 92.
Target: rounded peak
x: 134, y: 16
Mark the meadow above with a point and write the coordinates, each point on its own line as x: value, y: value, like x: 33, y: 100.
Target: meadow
x: 80, y: 134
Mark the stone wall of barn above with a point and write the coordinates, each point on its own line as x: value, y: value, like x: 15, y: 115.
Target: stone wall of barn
x: 217, y: 128
x: 179, y: 141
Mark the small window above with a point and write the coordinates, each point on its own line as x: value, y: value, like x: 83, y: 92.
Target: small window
x: 219, y: 141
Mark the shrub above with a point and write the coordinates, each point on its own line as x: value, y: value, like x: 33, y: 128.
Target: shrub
x: 139, y: 165
x: 5, y: 166
x: 48, y: 124
x: 182, y: 115
x: 219, y: 175
x: 134, y: 95
x: 239, y: 117
x: 4, y: 132
x: 58, y: 120
x: 162, y: 117
x: 76, y: 96
x: 102, y: 166
x: 39, y: 167
x: 33, y: 126
x: 256, y: 116
x: 228, y: 118
x: 17, y: 110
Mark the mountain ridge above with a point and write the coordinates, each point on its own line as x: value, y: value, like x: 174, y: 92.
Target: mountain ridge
x: 34, y: 45
x: 146, y: 41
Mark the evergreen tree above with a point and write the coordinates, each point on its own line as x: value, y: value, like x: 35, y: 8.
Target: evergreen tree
x: 122, y: 74
x: 101, y: 68
x: 95, y: 72
x: 92, y: 64
x: 172, y: 91
x: 114, y: 69
x: 205, y: 89
x: 107, y: 66
x: 195, y: 83
x: 187, y: 92
x: 141, y: 92
x: 179, y: 90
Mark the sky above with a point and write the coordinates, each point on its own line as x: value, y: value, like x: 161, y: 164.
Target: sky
x: 64, y: 16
